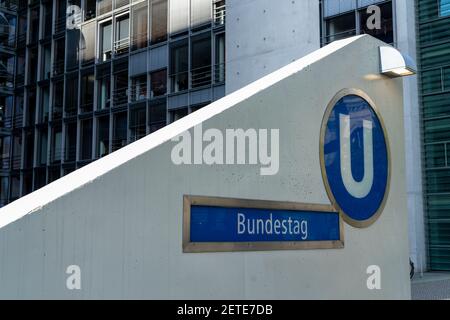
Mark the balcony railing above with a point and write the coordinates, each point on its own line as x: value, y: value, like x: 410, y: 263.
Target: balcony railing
x: 7, y: 40
x: 58, y: 67
x: 87, y: 107
x: 179, y: 81
x: 138, y: 93
x: 137, y: 132
x: 21, y: 40
x: 5, y: 162
x: 17, y: 121
x: 338, y: 36
x: 60, y: 24
x: 56, y: 155
x: 6, y: 122
x: 219, y: 12
x: 70, y: 154
x: 121, y: 46
x: 201, y: 77
x: 6, y: 81
x: 16, y: 162
x: 120, y: 96
x: 71, y: 111
x: 139, y: 41
x: 118, y: 144
x: 57, y: 112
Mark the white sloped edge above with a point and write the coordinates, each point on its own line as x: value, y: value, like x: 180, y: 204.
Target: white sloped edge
x: 49, y: 193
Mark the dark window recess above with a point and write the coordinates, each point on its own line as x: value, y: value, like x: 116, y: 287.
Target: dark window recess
x: 120, y: 131
x: 58, y: 65
x: 87, y: 93
x: 103, y: 137
x: 86, y: 139
x: 71, y: 95
x: 44, y: 105
x: 157, y: 116
x: 139, y: 88
x: 60, y: 22
x: 5, y: 149
x: 201, y: 61
x: 57, y: 100
x: 178, y: 114
x: 40, y: 178
x: 27, y: 183
x: 73, y: 47
x: 31, y: 109
x: 15, y: 188
x: 29, y: 149
x: 54, y: 173
x: 17, y: 151
x: 121, y: 89
x: 137, y: 123
x: 158, y: 83
x: 89, y: 9
x: 56, y: 146
x: 104, y: 92
x: 179, y: 63
x: 340, y: 27
x: 71, y: 142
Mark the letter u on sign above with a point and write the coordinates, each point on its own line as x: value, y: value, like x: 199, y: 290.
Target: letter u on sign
x: 358, y: 189
x: 354, y: 157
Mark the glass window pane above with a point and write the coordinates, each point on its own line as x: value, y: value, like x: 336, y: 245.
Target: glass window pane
x: 120, y: 131
x: 179, y: 66
x: 103, y: 136
x: 139, y: 88
x: 137, y: 123
x: 87, y: 42
x: 140, y: 25
x: 179, y: 15
x: 121, y: 43
x: 158, y: 83
x: 159, y: 20
x: 106, y: 34
x: 86, y: 140
x: 200, y: 12
x: 104, y: 6
x: 201, y: 61
x: 89, y: 9
x: 340, y: 27
x: 386, y: 32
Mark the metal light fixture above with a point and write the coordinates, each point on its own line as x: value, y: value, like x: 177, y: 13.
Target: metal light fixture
x: 394, y: 64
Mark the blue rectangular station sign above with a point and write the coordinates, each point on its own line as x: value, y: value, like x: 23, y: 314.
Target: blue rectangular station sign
x: 218, y: 224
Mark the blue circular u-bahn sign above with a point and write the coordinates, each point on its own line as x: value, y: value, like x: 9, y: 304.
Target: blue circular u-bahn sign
x: 354, y: 155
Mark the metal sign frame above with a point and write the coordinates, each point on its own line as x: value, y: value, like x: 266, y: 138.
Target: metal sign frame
x: 199, y: 247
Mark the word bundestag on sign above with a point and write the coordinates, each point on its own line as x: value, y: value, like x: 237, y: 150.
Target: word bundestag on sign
x: 355, y: 165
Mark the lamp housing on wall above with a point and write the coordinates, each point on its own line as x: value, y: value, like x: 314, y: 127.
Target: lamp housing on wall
x: 394, y: 64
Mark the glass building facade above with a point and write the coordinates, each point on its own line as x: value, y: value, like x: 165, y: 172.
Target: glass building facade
x: 434, y: 91
x: 83, y: 78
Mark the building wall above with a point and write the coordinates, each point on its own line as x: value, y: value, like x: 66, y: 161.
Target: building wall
x: 434, y: 87
x: 47, y: 137
x: 405, y: 17
x: 264, y: 35
x: 124, y: 226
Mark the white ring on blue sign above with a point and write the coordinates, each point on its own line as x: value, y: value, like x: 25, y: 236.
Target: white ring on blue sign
x: 355, y: 157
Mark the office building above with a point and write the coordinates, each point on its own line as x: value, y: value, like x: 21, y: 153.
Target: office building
x: 79, y: 86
